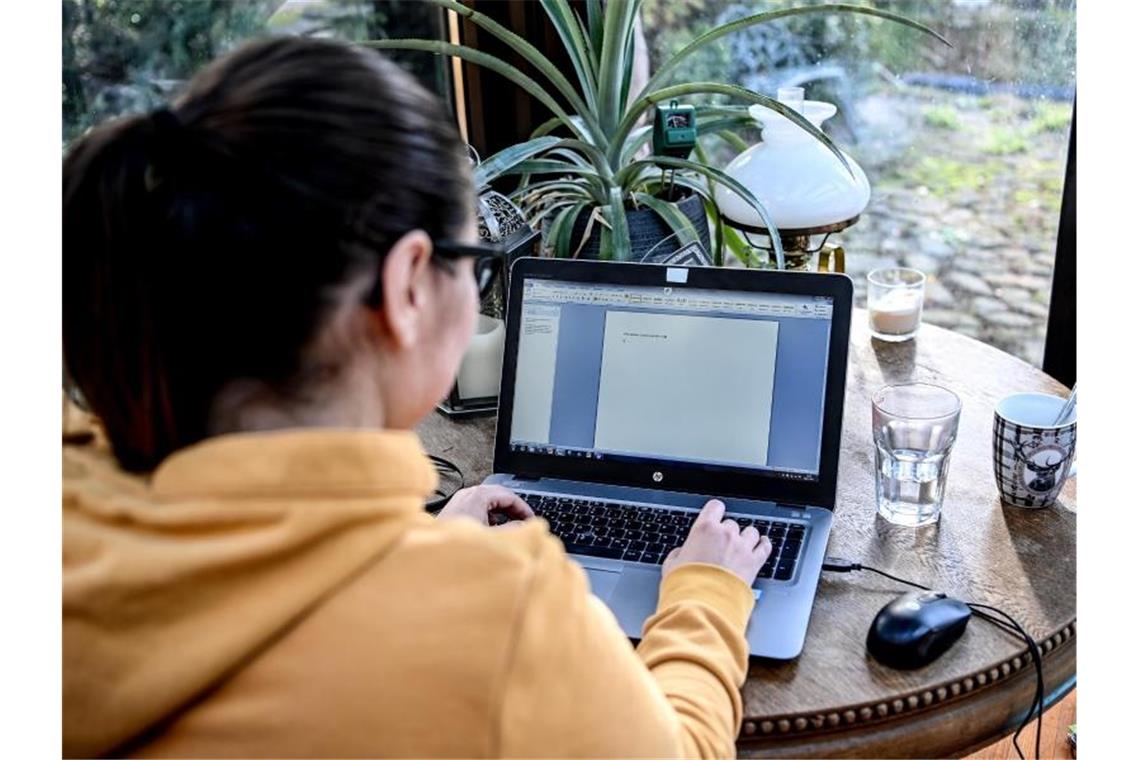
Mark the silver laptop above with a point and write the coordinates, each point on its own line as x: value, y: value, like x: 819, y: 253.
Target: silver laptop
x: 633, y: 393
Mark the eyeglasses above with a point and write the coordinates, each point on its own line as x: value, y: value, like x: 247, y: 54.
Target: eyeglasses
x: 487, y: 266
x: 488, y: 260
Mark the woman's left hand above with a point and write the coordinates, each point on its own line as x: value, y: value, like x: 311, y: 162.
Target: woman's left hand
x: 481, y: 503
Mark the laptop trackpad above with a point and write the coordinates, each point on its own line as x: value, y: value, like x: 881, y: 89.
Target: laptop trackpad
x: 603, y: 582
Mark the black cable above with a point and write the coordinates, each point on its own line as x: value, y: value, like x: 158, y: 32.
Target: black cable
x: 1039, y: 696
x: 836, y: 565
x: 446, y: 468
x: 1012, y: 629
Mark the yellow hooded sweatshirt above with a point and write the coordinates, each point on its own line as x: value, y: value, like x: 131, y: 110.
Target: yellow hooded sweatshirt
x: 285, y: 594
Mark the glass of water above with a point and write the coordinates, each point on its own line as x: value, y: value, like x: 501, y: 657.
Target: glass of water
x: 914, y: 427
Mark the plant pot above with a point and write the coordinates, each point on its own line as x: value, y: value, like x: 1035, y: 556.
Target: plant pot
x: 646, y: 230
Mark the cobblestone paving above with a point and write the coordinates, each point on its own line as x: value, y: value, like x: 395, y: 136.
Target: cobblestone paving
x: 973, y: 202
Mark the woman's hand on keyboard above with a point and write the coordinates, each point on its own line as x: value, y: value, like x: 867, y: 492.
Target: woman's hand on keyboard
x: 487, y: 504
x: 717, y: 541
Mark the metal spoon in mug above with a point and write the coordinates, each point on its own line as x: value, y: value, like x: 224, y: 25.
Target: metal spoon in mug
x: 1067, y: 409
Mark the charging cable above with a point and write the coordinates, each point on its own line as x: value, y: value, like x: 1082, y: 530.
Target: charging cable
x: 447, y: 470
x: 988, y: 613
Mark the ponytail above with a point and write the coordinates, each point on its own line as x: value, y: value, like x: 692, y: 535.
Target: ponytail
x: 109, y: 329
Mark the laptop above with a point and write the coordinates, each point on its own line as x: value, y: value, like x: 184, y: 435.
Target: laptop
x: 631, y: 394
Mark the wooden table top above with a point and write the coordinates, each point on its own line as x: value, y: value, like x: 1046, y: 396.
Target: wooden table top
x: 834, y: 700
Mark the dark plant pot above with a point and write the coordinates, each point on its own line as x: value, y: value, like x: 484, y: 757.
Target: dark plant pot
x: 646, y: 230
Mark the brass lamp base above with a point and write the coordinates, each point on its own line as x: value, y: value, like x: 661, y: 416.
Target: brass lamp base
x: 797, y: 245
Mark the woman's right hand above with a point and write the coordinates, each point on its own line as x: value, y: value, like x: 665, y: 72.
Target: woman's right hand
x: 717, y: 541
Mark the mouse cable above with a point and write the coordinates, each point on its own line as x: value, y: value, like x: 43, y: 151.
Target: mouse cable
x: 833, y: 565
x: 836, y: 565
x: 447, y: 470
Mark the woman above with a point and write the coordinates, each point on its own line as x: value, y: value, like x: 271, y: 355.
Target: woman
x: 265, y: 288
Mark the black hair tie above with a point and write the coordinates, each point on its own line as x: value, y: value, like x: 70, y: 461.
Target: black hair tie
x: 165, y: 121
x: 168, y: 138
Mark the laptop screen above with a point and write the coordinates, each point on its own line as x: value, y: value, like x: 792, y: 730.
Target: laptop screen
x: 639, y: 372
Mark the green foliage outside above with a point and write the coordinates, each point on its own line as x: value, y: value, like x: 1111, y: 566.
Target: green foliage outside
x: 126, y: 56
x: 1051, y: 117
x: 945, y: 176
x: 941, y: 117
x: 131, y: 56
x: 1005, y: 141
x: 1026, y: 41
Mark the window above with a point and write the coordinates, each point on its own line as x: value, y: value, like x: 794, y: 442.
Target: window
x: 131, y: 56
x: 965, y: 148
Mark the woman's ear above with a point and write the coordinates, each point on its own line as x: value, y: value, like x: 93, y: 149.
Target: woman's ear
x: 405, y: 286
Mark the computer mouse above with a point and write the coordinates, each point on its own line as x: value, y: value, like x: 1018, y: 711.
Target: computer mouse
x: 916, y: 628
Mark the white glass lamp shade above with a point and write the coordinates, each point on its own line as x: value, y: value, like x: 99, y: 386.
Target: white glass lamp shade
x: 795, y: 177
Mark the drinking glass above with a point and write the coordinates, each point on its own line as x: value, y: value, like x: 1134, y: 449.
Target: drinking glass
x: 914, y: 427
x: 894, y: 302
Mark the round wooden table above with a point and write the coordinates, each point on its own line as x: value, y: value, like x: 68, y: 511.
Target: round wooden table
x: 834, y: 700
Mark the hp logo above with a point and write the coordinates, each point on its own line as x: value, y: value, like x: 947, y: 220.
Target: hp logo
x: 658, y: 477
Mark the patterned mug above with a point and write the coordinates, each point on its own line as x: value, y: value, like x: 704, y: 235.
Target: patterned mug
x: 1033, y: 457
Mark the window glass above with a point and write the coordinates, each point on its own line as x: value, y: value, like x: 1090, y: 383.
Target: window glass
x: 130, y: 56
x: 965, y: 147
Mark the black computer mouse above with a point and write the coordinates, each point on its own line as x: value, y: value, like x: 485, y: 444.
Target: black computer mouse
x: 916, y: 628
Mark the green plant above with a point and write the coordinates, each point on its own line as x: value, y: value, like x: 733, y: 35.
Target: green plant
x: 945, y: 176
x: 1051, y: 117
x: 600, y: 168
x: 1004, y: 142
x: 941, y: 117
x: 125, y: 56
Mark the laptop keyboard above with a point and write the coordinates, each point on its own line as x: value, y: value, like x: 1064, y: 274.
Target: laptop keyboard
x: 645, y: 533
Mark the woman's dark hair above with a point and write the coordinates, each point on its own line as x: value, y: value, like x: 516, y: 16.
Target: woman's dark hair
x: 208, y: 242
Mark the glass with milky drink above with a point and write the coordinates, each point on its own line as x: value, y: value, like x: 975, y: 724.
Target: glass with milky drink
x: 914, y: 427
x: 894, y: 302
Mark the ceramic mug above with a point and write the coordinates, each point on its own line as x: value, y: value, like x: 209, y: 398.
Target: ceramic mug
x: 1033, y: 457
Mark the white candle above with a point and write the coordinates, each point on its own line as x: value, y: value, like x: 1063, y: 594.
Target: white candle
x: 897, y: 312
x: 483, y: 360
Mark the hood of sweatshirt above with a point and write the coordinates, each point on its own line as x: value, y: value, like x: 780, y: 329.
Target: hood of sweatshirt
x: 174, y: 581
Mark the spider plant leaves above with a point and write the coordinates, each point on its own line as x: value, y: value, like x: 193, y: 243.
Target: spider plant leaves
x: 606, y: 247
x: 642, y: 135
x: 733, y: 139
x: 668, y: 93
x: 537, y: 190
x: 591, y: 50
x: 548, y: 207
x: 595, y: 21
x: 499, y: 164
x: 546, y: 127
x: 627, y: 75
x: 489, y: 61
x: 620, y: 246
x: 550, y: 166
x: 734, y: 120
x: 554, y: 123
x: 669, y: 66
x: 614, y: 65
x: 681, y: 225
x: 740, y: 248
x: 569, y: 29
x: 634, y: 142
x: 534, y: 57
x: 583, y: 175
x: 574, y: 151
x: 562, y: 227
x: 569, y: 155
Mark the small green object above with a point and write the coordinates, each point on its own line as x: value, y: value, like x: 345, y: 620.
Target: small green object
x: 674, y: 130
